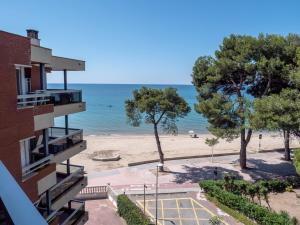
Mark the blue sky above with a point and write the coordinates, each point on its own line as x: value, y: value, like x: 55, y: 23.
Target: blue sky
x: 143, y: 41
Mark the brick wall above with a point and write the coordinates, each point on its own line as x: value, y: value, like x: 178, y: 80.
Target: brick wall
x: 16, y: 124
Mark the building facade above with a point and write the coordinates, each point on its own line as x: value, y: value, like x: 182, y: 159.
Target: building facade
x: 36, y: 153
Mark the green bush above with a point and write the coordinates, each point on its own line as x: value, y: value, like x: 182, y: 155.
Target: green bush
x: 297, y: 160
x: 130, y: 212
x: 253, y: 211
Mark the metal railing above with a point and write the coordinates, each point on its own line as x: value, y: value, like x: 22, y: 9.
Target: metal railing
x: 49, y: 96
x: 33, y: 99
x: 26, y: 170
x: 65, y: 180
x: 76, y: 212
x: 60, y: 141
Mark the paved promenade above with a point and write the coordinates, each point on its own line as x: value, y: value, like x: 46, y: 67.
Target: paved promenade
x: 181, y: 173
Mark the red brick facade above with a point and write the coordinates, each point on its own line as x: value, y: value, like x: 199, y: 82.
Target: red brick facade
x: 17, y: 124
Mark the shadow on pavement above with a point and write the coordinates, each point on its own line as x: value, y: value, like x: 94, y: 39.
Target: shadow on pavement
x: 258, y: 169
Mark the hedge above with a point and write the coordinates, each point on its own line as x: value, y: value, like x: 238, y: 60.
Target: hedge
x: 259, y: 214
x: 297, y: 160
x: 130, y: 212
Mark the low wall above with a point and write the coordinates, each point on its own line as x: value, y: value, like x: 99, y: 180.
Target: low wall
x: 199, y: 156
x: 95, y: 192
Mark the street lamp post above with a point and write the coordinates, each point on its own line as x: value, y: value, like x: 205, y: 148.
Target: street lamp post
x: 156, y: 191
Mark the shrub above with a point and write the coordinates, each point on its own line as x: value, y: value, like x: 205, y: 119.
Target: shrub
x: 297, y: 160
x: 215, y: 220
x: 253, y: 211
x: 130, y: 212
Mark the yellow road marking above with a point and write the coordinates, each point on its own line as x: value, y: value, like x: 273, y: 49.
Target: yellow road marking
x: 162, y: 211
x: 196, y: 217
x: 206, y: 209
x: 148, y: 212
x: 178, y: 211
x: 193, y: 202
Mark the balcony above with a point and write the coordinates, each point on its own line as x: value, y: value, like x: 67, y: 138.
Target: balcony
x: 63, y: 97
x: 63, y: 146
x: 76, y: 215
x: 66, y: 101
x: 38, y: 161
x: 68, y: 185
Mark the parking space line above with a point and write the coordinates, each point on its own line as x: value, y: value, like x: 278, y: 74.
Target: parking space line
x: 146, y: 210
x: 196, y: 217
x: 162, y: 211
x: 178, y: 211
x: 210, y: 212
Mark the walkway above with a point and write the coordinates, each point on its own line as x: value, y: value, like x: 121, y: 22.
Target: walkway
x: 262, y: 165
x: 102, y: 212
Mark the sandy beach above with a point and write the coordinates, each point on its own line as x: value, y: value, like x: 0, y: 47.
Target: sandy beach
x: 135, y: 148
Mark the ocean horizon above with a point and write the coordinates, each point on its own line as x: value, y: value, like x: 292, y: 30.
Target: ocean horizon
x: 105, y: 110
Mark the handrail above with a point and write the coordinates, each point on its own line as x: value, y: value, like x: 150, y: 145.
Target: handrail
x: 77, y: 131
x: 72, y: 174
x: 57, y: 91
x: 33, y: 95
x: 93, y: 190
x: 80, y: 207
x: 36, y: 165
x: 32, y: 99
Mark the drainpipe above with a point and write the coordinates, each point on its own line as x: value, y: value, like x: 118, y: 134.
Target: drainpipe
x: 66, y: 117
x: 67, y: 127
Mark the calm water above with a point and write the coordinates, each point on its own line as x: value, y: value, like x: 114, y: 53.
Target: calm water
x: 105, y: 109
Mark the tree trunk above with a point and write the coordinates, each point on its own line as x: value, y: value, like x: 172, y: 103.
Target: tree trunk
x: 287, y: 150
x: 243, y: 151
x: 161, y: 154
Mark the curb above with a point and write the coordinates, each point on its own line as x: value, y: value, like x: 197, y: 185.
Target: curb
x: 202, y: 156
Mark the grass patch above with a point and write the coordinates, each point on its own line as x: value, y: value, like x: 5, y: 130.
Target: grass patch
x: 235, y: 214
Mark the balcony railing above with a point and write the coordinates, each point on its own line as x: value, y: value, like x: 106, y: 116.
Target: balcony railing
x: 69, y: 216
x: 66, y: 180
x: 63, y: 97
x: 33, y: 99
x: 50, y: 96
x: 36, y: 165
x: 59, y: 141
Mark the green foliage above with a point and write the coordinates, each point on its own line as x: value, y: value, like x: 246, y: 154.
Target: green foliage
x: 278, y: 112
x: 243, y: 66
x: 240, y: 203
x: 234, y: 213
x: 154, y: 106
x: 130, y: 212
x: 215, y: 220
x: 289, y: 188
x: 297, y: 160
x: 211, y: 142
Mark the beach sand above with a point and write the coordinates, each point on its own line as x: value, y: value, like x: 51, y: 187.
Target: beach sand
x: 135, y: 148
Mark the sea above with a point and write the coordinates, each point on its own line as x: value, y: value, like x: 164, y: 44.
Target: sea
x: 105, y: 110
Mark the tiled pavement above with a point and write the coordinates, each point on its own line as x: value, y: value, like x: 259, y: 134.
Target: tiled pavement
x: 102, y: 212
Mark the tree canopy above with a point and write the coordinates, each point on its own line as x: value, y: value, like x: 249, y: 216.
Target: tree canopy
x: 242, y: 69
x: 278, y: 112
x: 157, y: 107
